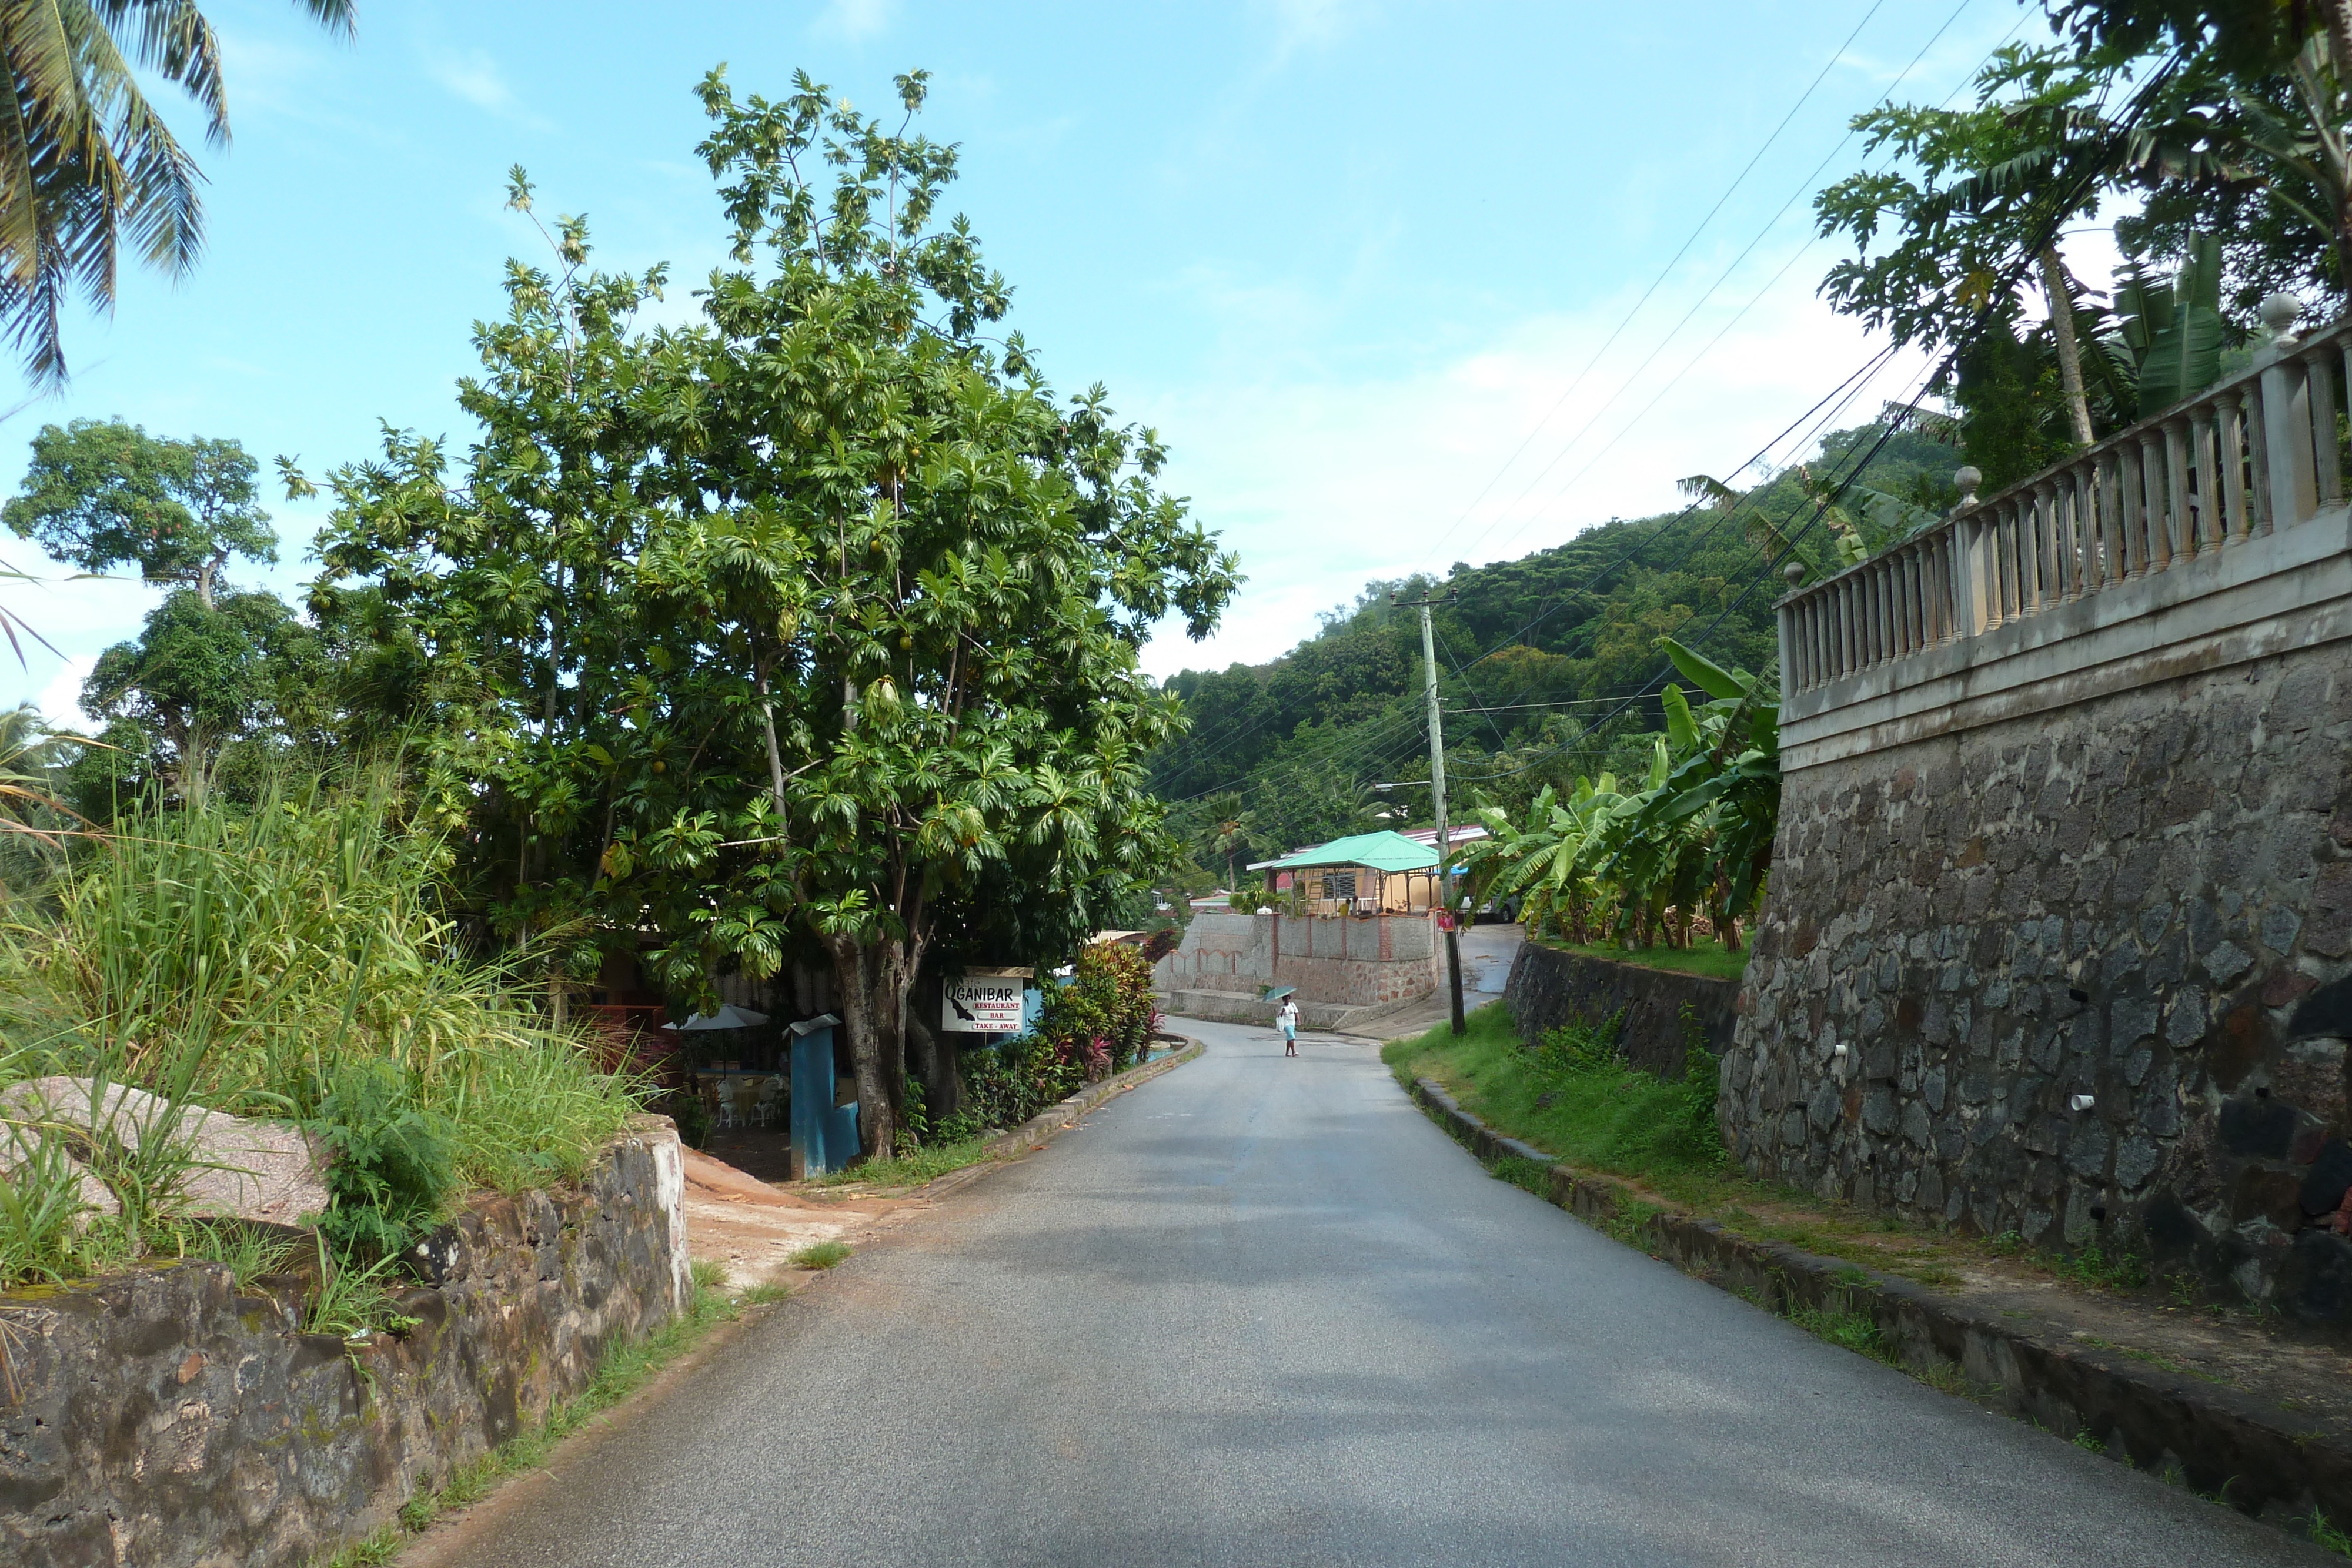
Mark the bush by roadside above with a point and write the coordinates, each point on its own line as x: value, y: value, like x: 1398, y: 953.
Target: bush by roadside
x: 1097, y: 1024
x: 1574, y: 1095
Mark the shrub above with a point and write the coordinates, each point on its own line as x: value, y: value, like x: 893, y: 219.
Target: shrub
x: 1093, y: 1026
x: 391, y: 1163
x: 288, y: 959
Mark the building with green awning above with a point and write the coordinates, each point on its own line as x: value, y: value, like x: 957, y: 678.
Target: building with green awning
x: 1366, y: 873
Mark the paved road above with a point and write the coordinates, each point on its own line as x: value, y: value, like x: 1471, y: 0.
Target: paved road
x: 1261, y: 1311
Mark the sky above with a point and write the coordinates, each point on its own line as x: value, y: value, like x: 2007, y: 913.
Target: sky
x: 1400, y: 284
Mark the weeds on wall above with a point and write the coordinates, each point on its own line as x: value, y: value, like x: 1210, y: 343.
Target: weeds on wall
x: 285, y: 960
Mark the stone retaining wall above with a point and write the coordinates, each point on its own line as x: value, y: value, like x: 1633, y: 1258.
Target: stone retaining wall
x: 2084, y: 975
x: 161, y: 1418
x: 1548, y: 987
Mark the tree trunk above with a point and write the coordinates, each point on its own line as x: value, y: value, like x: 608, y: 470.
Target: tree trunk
x: 205, y: 574
x: 2070, y: 355
x: 877, y: 1110
x: 872, y: 979
x: 942, y: 1094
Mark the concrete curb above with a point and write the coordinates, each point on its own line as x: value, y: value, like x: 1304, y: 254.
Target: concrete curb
x: 1040, y: 1129
x: 2225, y: 1442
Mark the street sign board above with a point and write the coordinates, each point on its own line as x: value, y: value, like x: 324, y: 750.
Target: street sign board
x: 981, y: 1004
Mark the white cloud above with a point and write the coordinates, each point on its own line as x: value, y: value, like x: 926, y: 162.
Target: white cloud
x: 61, y: 700
x: 855, y: 20
x: 1303, y: 24
x: 473, y: 76
x: 1322, y: 482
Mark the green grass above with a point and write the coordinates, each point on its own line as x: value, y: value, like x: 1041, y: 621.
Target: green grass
x: 911, y: 1170
x: 821, y: 1255
x: 1704, y: 956
x: 1532, y: 1174
x: 1847, y: 1330
x: 1609, y: 1118
x: 624, y: 1369
x: 2326, y: 1536
x: 236, y: 956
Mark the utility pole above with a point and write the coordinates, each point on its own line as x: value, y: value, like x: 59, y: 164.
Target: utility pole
x: 1437, y: 785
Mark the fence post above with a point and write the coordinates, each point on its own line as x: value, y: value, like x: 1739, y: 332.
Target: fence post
x: 1968, y: 559
x: 2286, y: 419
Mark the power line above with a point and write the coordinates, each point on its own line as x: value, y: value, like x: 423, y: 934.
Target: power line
x: 2013, y: 275
x: 1804, y: 188
x: 1240, y: 726
x: 1658, y: 282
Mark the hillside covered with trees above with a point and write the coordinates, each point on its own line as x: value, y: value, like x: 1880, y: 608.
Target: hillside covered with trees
x: 1548, y: 665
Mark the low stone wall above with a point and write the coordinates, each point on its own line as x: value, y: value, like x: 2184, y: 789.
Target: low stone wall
x: 2235, y: 1444
x: 1548, y: 987
x: 161, y: 1418
x: 1341, y: 966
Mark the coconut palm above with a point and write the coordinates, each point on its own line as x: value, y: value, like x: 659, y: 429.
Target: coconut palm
x: 88, y: 168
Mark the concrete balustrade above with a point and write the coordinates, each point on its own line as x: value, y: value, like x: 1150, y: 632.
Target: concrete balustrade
x: 2253, y: 455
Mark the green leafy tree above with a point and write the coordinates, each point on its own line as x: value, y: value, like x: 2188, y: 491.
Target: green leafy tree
x: 2250, y: 136
x: 103, y: 493
x: 200, y: 679
x: 1972, y: 191
x: 88, y: 166
x: 815, y: 622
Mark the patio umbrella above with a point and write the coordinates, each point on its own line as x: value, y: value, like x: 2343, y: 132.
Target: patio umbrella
x: 728, y: 1015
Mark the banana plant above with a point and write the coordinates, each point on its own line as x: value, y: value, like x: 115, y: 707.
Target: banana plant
x: 2167, y: 345
x: 1637, y: 863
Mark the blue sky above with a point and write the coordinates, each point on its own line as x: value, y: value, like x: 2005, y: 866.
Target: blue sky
x: 1360, y: 263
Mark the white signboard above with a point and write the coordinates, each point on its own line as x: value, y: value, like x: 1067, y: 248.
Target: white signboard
x: 982, y: 1004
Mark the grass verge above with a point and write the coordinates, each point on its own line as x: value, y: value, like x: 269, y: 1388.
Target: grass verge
x: 1574, y: 1100
x: 821, y: 1255
x: 1704, y: 956
x: 624, y: 1369
x: 911, y: 1170
x: 1598, y: 1113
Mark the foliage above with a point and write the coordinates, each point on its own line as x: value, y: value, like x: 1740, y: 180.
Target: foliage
x: 390, y: 1165
x: 1704, y: 956
x: 89, y: 166
x: 1295, y: 744
x: 810, y: 628
x: 821, y: 1255
x: 1593, y: 1112
x: 946, y: 1148
x: 289, y: 960
x: 1968, y: 194
x: 103, y: 493
x: 1639, y: 863
x: 207, y: 693
x: 2246, y: 139
x: 1096, y: 1024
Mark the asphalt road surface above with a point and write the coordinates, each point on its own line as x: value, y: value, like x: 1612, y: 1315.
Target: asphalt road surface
x: 1262, y: 1311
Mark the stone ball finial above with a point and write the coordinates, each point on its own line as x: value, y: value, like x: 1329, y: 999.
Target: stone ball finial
x: 1968, y: 479
x: 2279, y: 311
x: 1794, y: 573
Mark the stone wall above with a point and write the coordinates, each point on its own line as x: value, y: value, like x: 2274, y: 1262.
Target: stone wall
x: 1548, y: 987
x: 2080, y: 975
x: 1341, y: 966
x: 161, y: 1418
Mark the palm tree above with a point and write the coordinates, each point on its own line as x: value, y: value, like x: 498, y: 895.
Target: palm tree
x: 87, y: 166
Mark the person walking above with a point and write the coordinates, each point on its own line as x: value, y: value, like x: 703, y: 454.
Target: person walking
x: 1289, y: 1018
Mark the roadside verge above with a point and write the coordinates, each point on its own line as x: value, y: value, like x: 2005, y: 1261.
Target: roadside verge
x: 2222, y: 1443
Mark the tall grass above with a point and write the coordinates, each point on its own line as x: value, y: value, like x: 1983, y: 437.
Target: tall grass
x: 239, y: 958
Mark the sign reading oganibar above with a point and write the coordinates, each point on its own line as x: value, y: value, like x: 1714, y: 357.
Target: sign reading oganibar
x: 982, y: 1004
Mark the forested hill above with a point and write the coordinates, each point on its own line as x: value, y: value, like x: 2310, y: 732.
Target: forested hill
x: 1534, y: 651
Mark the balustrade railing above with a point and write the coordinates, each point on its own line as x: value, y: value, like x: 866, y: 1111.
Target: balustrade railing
x: 2256, y: 453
